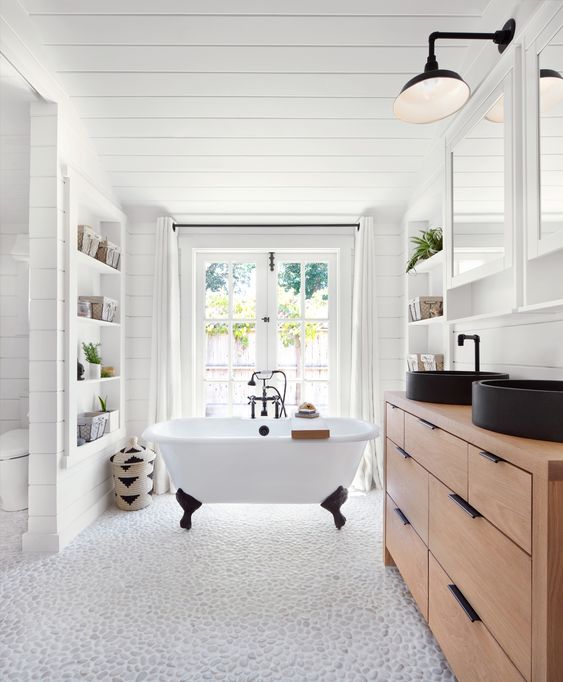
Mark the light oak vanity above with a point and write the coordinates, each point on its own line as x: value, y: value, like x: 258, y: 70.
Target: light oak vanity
x: 474, y: 523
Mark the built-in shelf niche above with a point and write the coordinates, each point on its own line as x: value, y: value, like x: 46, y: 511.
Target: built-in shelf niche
x: 87, y: 276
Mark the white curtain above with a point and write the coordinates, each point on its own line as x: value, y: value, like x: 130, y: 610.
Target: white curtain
x: 165, y: 387
x: 365, y: 390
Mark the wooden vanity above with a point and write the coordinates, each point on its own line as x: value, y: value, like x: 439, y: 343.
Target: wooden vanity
x: 474, y: 523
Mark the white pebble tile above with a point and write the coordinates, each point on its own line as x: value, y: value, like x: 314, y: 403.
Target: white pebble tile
x: 252, y: 592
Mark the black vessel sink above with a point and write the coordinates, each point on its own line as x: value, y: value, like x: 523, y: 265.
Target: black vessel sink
x: 451, y: 388
x: 530, y: 409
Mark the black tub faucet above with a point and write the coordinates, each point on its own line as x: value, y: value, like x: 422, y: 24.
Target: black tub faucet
x: 277, y: 399
x: 461, y: 338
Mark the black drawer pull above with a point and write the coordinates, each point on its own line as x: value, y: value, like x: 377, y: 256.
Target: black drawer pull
x: 490, y: 456
x: 403, y: 518
x: 402, y: 452
x: 467, y: 508
x: 427, y: 424
x: 465, y: 605
x: 393, y: 407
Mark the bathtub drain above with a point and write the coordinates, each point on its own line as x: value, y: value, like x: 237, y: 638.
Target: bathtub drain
x: 263, y: 430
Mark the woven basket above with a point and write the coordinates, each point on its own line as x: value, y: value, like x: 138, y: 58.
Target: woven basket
x: 132, y: 470
x: 88, y: 240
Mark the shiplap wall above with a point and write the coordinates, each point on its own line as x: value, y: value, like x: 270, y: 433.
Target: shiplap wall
x: 14, y: 280
x: 525, y: 350
x: 64, y: 496
x: 140, y: 248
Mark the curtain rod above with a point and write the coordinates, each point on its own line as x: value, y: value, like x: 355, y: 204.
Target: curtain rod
x: 356, y: 225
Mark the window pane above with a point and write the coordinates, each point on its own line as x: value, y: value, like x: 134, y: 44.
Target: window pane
x: 316, y: 350
x: 316, y: 290
x: 241, y: 391
x: 289, y: 288
x: 289, y: 348
x: 244, y: 349
x: 293, y: 397
x: 244, y: 291
x: 216, y: 290
x: 216, y: 350
x: 316, y: 392
x: 216, y: 399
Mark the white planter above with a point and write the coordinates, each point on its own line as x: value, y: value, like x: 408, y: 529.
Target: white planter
x: 113, y: 421
x: 94, y: 371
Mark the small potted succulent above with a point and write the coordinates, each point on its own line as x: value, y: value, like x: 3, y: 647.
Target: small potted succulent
x: 427, y: 245
x: 94, y: 359
x: 112, y: 423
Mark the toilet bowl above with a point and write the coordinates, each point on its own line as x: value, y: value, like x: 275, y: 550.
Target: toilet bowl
x: 14, y: 462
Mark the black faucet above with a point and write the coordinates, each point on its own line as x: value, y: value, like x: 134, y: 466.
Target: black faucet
x: 277, y: 399
x: 461, y: 338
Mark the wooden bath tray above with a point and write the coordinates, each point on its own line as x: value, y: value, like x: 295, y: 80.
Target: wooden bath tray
x: 309, y: 429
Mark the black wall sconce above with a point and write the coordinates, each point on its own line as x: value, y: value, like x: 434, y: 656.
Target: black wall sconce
x: 437, y: 93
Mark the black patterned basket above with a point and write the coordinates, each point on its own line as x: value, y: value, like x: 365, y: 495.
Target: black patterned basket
x: 132, y: 469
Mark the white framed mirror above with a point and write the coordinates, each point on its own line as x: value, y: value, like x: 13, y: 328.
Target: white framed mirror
x: 544, y: 135
x: 479, y: 162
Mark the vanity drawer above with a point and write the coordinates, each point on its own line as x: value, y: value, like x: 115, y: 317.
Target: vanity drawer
x: 493, y: 573
x: 471, y: 650
x: 502, y: 493
x: 407, y: 483
x: 438, y: 451
x: 409, y: 553
x: 395, y: 420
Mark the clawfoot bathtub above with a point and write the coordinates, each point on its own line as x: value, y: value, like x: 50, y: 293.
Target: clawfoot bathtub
x: 256, y: 460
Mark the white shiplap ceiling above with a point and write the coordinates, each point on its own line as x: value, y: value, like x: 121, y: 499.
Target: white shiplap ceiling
x: 251, y: 106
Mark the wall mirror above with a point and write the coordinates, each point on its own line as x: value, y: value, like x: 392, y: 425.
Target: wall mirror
x: 550, y: 107
x: 480, y: 210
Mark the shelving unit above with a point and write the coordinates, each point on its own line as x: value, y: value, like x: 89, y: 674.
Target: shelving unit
x: 427, y: 279
x: 98, y: 381
x: 427, y: 322
x: 87, y: 276
x: 96, y: 323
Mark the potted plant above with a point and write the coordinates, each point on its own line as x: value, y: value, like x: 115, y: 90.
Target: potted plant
x: 429, y: 243
x: 112, y: 423
x: 93, y: 358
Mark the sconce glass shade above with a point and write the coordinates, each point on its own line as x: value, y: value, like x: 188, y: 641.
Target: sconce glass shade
x: 496, y: 112
x: 551, y: 89
x: 431, y: 96
x: 551, y: 94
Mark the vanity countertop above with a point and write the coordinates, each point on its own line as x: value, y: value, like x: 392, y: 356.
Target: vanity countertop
x: 542, y: 458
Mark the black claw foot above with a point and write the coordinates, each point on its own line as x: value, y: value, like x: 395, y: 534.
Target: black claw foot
x: 333, y: 503
x: 189, y: 504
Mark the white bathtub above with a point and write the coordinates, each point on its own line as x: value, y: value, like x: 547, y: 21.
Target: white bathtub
x: 227, y: 460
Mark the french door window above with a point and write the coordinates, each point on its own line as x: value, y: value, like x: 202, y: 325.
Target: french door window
x: 258, y: 311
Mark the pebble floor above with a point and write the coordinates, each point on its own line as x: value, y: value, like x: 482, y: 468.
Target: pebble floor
x: 252, y: 592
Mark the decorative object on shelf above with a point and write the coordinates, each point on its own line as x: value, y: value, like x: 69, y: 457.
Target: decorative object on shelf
x: 109, y: 253
x: 307, y: 411
x: 88, y: 240
x: 425, y: 308
x: 132, y: 469
x: 432, y: 362
x: 84, y: 308
x: 91, y: 425
x: 102, y: 307
x: 79, y: 371
x: 112, y: 423
x: 437, y: 93
x: 93, y: 359
x: 107, y: 372
x: 428, y: 244
x: 425, y: 362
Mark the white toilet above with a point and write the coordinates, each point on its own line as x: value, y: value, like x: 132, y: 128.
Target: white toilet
x: 14, y: 464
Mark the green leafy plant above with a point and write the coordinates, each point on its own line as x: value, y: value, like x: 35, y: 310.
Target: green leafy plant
x: 103, y: 403
x: 92, y: 353
x: 429, y: 243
